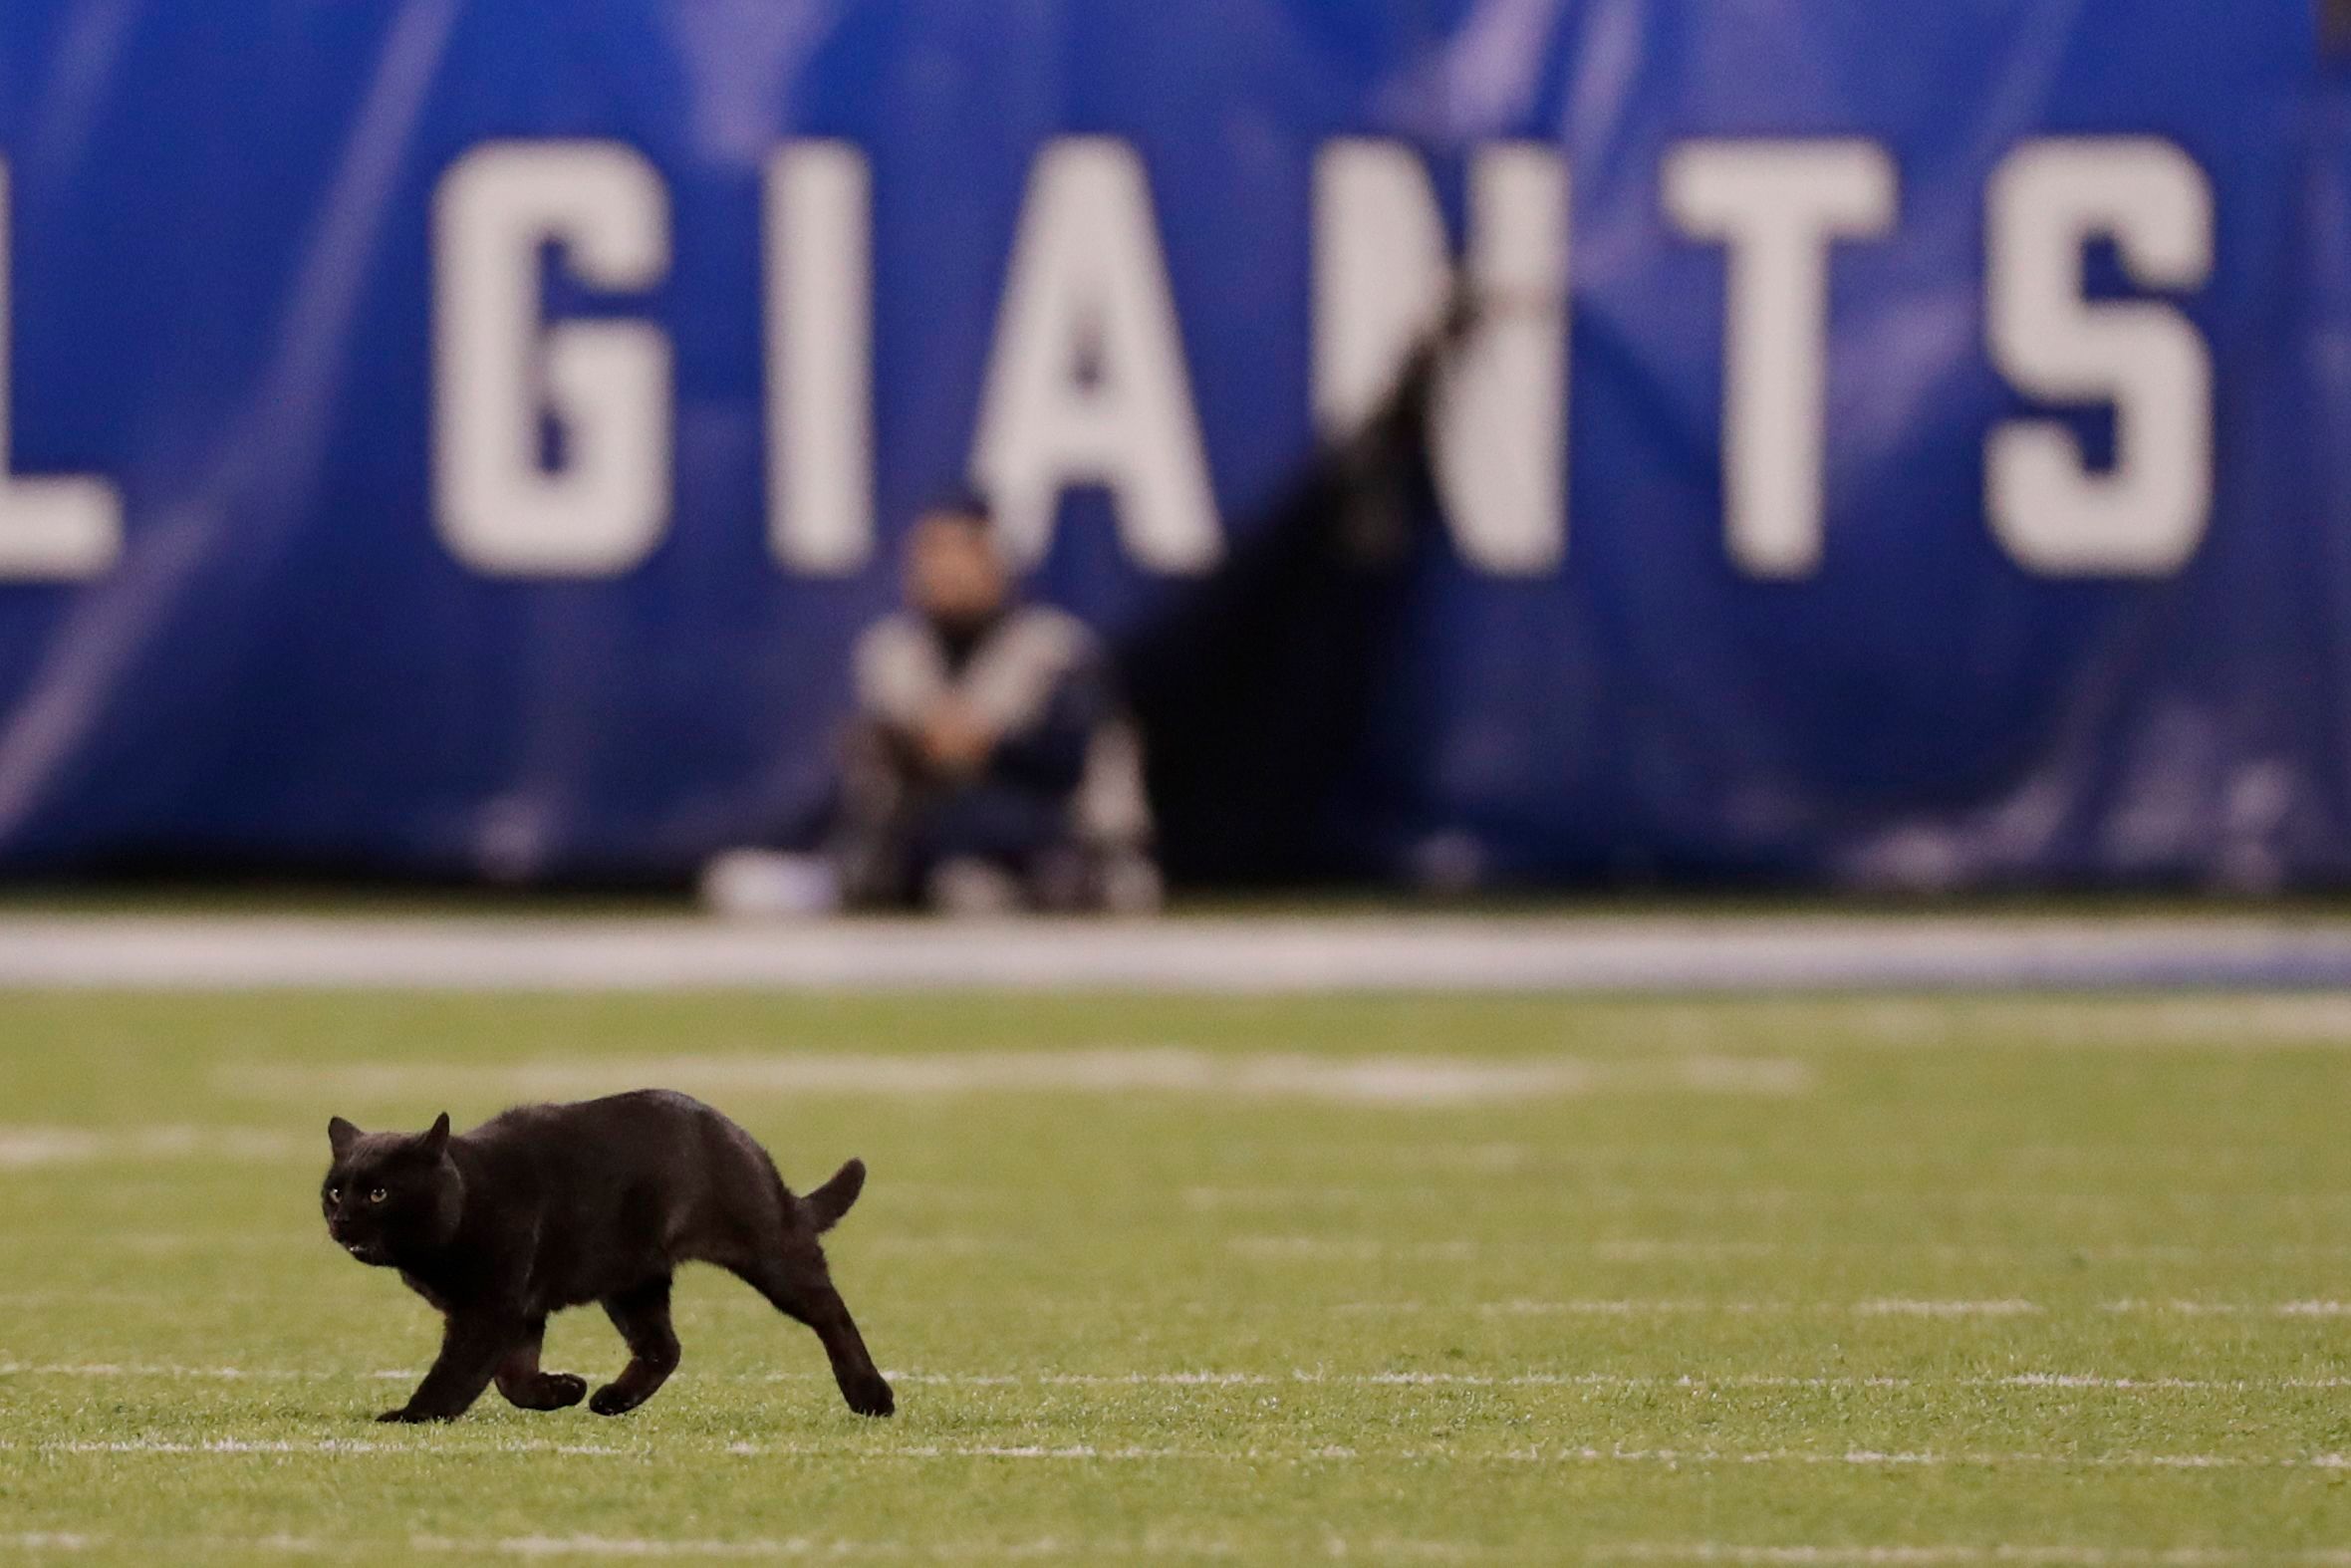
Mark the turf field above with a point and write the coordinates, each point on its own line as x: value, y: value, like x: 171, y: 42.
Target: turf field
x: 1800, y: 1282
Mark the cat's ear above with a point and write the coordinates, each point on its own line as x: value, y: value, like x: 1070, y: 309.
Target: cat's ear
x: 437, y: 1139
x: 341, y: 1135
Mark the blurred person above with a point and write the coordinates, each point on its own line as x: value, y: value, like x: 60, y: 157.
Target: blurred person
x: 1253, y: 689
x: 991, y: 766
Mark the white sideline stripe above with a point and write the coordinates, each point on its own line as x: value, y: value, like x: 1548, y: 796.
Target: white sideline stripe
x: 1883, y: 1307
x: 49, y: 1541
x: 607, y: 1546
x: 1644, y: 1250
x: 603, y: 1546
x: 2295, y: 1020
x: 1619, y: 1307
x: 535, y: 1547
x: 2075, y: 1380
x: 108, y: 1369
x: 1700, y: 1552
x: 1808, y: 1201
x: 1239, y: 955
x: 1394, y: 1080
x: 631, y: 1546
x: 1614, y: 1249
x: 25, y: 1148
x: 2202, y: 1309
x: 1096, y: 1379
x: 306, y: 1242
x: 1088, y: 1452
x: 1880, y: 1307
x: 1946, y: 1556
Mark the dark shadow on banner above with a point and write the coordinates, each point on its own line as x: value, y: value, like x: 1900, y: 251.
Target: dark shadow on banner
x: 1253, y: 691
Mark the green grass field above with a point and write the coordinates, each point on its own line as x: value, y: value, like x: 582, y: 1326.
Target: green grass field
x: 1914, y: 1283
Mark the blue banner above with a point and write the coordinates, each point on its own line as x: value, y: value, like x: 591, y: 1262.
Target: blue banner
x: 1901, y: 447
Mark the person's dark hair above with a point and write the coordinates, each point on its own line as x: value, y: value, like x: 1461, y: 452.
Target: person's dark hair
x: 967, y: 505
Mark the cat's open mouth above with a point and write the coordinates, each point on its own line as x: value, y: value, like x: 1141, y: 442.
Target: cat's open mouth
x: 362, y: 1252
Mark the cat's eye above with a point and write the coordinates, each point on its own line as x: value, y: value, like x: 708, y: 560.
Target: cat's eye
x: 378, y: 1195
x: 334, y: 1195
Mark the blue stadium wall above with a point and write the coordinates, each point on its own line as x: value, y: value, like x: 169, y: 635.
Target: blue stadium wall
x: 1911, y: 445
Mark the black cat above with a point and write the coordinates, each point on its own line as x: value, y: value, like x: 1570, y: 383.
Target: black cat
x: 548, y: 1206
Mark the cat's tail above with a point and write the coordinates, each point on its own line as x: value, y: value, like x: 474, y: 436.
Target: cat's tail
x: 825, y: 1206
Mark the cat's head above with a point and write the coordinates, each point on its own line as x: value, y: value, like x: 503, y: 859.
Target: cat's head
x: 390, y: 1195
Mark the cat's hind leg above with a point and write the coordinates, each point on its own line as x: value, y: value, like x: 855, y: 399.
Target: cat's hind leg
x: 525, y: 1385
x: 642, y: 1314
x: 801, y: 1288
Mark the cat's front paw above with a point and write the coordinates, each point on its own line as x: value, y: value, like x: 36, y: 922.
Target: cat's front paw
x: 870, y: 1395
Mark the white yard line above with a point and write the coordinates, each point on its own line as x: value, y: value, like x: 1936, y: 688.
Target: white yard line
x: 49, y: 1541
x: 1620, y: 1249
x: 787, y: 1549
x: 1621, y: 1307
x: 1725, y: 1554
x: 1236, y: 954
x: 1086, y: 1454
x: 1395, y: 1078
x: 2234, y: 1309
x: 1694, y: 1306
x: 1631, y: 1307
x: 595, y: 1547
x: 1737, y: 1555
x: 1810, y: 1202
x: 112, y: 1368
x: 30, y: 1148
x: 1371, y: 1249
x: 1690, y: 1382
x: 541, y: 1547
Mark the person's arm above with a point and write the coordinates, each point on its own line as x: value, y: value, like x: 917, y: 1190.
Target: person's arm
x: 953, y: 740
x: 907, y: 702
x: 1035, y: 695
x: 1050, y: 753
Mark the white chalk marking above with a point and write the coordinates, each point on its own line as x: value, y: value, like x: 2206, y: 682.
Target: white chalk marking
x: 32, y: 1147
x: 2088, y: 1381
x: 1663, y: 1307
x: 108, y: 1369
x: 1324, y: 1248
x: 2280, y: 1019
x: 2232, y: 1309
x: 218, y: 952
x: 1953, y: 1556
x: 1722, y: 1554
x: 1089, y: 1453
x: 1387, y: 1080
x: 211, y: 1445
x: 786, y: 1548
x: 1809, y: 1205
x: 49, y: 1541
x: 1618, y: 1249
x: 539, y: 1546
x: 2083, y: 1381
x: 164, y: 1242
x: 947, y: 1246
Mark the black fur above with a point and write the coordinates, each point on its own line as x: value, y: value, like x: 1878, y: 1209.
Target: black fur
x: 548, y: 1206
